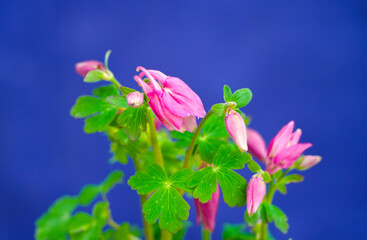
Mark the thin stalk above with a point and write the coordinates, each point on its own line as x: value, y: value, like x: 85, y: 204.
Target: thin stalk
x: 154, y: 141
x: 263, y: 228
x: 165, y: 235
x: 148, y: 230
x: 206, y: 234
x: 193, y: 140
x: 115, y: 82
x: 110, y: 220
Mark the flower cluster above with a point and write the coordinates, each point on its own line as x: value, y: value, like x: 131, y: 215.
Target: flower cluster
x: 212, y: 150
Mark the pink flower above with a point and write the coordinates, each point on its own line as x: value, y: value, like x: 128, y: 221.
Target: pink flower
x: 282, y: 151
x: 135, y: 99
x: 173, y: 102
x: 255, y: 193
x: 82, y: 68
x: 207, y: 212
x: 236, y: 128
x: 308, y: 161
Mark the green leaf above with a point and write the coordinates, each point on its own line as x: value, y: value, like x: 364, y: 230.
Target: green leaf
x: 99, y: 122
x: 183, y: 139
x: 232, y: 184
x: 282, y: 188
x: 165, y: 204
x: 180, y: 235
x: 53, y: 223
x: 292, y: 178
x: 87, y: 105
x: 101, y: 213
x: 219, y: 108
x: 266, y: 177
x: 80, y: 222
x: 122, y: 233
x: 126, y: 90
x: 236, y: 232
x: 180, y: 178
x: 275, y: 214
x: 242, y: 97
x: 227, y: 93
x: 94, y: 76
x: 135, y: 120
x: 251, y: 221
x: 88, y: 194
x: 105, y: 91
x: 118, y: 101
x: 253, y: 166
x: 111, y: 180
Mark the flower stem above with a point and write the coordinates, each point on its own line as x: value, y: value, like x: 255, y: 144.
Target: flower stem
x: 206, y: 234
x: 154, y: 141
x: 193, y: 140
x: 110, y: 220
x: 263, y: 228
x: 115, y: 82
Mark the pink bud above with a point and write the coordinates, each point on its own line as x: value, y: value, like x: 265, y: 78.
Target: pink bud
x: 207, y: 212
x: 255, y: 191
x: 82, y: 68
x: 308, y: 161
x: 236, y: 128
x: 135, y: 99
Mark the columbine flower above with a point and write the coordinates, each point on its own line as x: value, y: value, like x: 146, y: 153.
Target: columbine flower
x: 236, y: 128
x: 173, y: 102
x: 135, y: 99
x: 308, y: 161
x: 282, y: 151
x: 207, y: 212
x: 255, y: 193
x: 82, y: 68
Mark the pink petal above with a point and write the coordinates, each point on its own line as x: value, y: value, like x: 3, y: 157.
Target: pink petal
x: 281, y: 140
x: 256, y: 144
x: 255, y: 193
x: 155, y: 84
x: 189, y: 123
x: 286, y: 157
x: 182, y: 94
x: 146, y: 88
x: 82, y: 68
x: 309, y: 161
x: 295, y: 137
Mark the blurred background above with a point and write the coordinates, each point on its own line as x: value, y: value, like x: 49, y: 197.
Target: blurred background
x: 303, y: 60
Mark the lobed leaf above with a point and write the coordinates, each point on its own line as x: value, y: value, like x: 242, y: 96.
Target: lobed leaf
x: 242, y: 97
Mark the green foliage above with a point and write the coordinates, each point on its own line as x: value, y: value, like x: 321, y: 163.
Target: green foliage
x: 118, y: 101
x: 252, y: 220
x: 97, y: 111
x: 219, y: 108
x: 236, y: 232
x: 241, y: 97
x: 227, y: 93
x: 94, y: 76
x: 276, y: 215
x: 292, y: 178
x: 165, y: 204
x: 106, y: 57
x: 253, y: 166
x: 232, y: 184
x: 59, y: 222
x: 134, y: 120
x: 266, y: 176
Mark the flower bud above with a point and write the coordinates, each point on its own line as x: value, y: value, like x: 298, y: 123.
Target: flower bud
x: 308, y: 161
x: 135, y: 99
x: 207, y: 212
x: 255, y: 191
x: 236, y: 128
x: 82, y: 68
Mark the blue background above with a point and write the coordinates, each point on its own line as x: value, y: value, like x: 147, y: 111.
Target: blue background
x: 303, y: 60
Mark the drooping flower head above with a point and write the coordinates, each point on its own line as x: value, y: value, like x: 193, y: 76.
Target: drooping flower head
x: 207, y: 212
x: 236, y: 128
x: 174, y: 103
x: 255, y: 193
x: 282, y: 151
x: 82, y: 68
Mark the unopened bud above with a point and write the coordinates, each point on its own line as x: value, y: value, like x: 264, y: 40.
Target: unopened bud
x: 135, y: 99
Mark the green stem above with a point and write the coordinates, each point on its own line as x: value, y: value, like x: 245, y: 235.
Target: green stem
x: 165, y: 235
x: 115, y: 82
x: 148, y: 230
x: 193, y: 140
x: 110, y: 220
x: 206, y: 234
x: 263, y: 228
x: 154, y: 141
